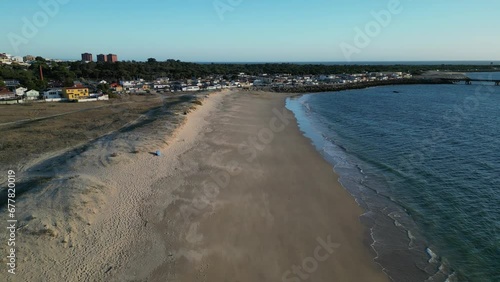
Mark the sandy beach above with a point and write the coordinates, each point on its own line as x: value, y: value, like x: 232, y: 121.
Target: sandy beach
x: 238, y: 194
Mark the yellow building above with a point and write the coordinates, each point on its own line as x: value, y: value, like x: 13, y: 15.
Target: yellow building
x: 75, y: 93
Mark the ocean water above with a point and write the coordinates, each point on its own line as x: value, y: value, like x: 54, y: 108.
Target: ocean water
x: 424, y: 162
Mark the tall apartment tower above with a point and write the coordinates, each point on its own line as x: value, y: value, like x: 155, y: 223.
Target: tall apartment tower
x: 112, y: 58
x: 87, y: 57
x: 102, y: 58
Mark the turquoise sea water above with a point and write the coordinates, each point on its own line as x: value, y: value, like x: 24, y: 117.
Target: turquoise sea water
x: 424, y: 162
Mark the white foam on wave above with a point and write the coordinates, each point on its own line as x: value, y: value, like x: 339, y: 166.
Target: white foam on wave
x: 452, y: 277
x: 434, y: 257
x: 411, y: 236
x: 412, y: 239
x: 372, y: 235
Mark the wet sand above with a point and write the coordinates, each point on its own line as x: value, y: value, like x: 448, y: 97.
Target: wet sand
x: 237, y: 195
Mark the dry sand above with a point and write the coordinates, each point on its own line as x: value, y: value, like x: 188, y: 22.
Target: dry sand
x: 237, y: 195
x: 35, y: 131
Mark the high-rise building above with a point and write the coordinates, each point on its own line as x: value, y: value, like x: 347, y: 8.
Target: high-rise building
x: 87, y: 57
x: 112, y: 58
x: 102, y: 58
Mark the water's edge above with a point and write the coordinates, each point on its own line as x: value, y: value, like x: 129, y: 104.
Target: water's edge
x: 400, y: 248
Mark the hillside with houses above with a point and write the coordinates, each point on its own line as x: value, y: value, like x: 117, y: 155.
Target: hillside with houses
x: 37, y: 79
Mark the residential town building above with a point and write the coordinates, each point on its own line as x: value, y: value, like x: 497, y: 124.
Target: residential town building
x: 29, y: 58
x: 6, y: 94
x: 20, y: 91
x: 12, y: 83
x: 160, y: 86
x: 32, y: 95
x: 17, y: 59
x: 77, y: 83
x: 116, y: 87
x: 161, y: 80
x: 8, y: 59
x: 75, y: 93
x: 54, y: 93
x: 191, y: 88
x: 5, y: 59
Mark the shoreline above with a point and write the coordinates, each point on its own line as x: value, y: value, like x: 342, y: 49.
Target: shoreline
x: 369, y: 216
x: 211, y: 203
x: 382, y: 227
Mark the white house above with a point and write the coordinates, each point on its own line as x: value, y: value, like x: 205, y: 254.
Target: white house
x: 17, y: 59
x: 127, y: 84
x: 160, y: 86
x: 191, y: 88
x: 20, y: 91
x: 32, y: 95
x: 162, y: 80
x: 54, y: 93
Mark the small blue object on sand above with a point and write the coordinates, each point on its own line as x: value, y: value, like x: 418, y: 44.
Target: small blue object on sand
x: 158, y: 153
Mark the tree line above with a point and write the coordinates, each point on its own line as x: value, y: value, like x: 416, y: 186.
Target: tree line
x: 67, y: 72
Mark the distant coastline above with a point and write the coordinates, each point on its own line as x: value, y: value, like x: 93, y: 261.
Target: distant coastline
x: 352, y: 86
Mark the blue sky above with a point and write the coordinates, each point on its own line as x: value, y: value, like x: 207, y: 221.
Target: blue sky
x: 253, y: 30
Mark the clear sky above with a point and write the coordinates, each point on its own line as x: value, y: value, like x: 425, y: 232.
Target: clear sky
x: 252, y: 30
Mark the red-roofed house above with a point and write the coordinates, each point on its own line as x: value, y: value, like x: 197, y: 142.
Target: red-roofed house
x: 6, y: 94
x: 116, y: 87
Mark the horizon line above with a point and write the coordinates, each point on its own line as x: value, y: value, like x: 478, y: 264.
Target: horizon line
x: 280, y: 62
